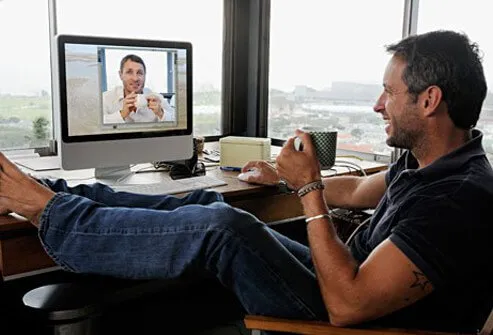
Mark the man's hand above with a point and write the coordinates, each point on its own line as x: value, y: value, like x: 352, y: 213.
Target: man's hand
x: 20, y: 193
x: 298, y: 168
x: 267, y: 173
x: 154, y: 103
x: 129, y: 103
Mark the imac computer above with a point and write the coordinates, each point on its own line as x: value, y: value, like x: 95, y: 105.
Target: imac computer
x: 122, y: 102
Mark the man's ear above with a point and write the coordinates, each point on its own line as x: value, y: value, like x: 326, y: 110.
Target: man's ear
x: 430, y: 99
x: 120, y: 75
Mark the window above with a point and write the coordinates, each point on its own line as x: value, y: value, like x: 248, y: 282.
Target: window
x: 430, y: 17
x: 25, y: 89
x: 198, y: 22
x: 327, y: 60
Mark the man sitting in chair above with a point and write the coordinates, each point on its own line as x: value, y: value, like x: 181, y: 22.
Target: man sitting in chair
x: 424, y: 261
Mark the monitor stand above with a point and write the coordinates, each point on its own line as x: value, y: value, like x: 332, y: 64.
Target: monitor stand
x: 112, y: 175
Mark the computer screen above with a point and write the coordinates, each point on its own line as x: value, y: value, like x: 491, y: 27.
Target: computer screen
x: 122, y: 101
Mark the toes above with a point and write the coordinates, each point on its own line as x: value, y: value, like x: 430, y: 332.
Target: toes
x: 8, y: 167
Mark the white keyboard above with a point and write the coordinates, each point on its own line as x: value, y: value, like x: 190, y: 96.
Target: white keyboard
x: 172, y: 186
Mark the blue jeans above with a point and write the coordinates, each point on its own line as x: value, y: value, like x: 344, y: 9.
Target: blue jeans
x: 92, y: 229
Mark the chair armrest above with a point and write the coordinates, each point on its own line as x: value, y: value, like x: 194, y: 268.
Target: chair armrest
x: 255, y: 322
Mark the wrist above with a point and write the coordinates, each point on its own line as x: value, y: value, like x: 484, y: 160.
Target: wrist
x: 313, y: 202
x: 310, y: 187
x: 325, y: 216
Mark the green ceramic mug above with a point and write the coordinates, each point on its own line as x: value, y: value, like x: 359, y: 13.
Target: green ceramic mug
x: 325, y: 143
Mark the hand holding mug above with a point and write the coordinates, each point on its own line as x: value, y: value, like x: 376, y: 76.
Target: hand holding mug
x: 298, y: 168
x: 325, y: 143
x: 128, y: 105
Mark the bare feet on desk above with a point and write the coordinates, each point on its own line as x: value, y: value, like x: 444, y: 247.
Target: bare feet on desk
x: 20, y: 193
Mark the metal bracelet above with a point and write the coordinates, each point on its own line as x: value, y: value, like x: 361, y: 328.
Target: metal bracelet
x: 314, y: 185
x: 320, y: 216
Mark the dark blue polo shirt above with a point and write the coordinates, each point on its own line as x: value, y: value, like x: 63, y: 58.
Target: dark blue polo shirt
x: 440, y: 218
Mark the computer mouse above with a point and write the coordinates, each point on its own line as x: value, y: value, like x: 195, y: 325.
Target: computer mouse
x: 253, y: 172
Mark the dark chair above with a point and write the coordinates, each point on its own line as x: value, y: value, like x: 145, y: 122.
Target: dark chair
x: 263, y: 323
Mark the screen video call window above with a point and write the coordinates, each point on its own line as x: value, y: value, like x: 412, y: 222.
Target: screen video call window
x: 137, y: 86
x: 123, y: 89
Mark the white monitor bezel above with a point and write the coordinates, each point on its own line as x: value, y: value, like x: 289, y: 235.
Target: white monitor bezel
x: 119, y: 149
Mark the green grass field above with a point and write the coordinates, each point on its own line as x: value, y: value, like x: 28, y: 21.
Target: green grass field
x: 17, y: 114
x: 24, y: 107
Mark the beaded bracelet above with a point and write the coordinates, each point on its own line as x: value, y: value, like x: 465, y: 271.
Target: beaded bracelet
x: 314, y: 185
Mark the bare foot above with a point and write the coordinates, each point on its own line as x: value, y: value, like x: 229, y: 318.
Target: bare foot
x: 20, y: 193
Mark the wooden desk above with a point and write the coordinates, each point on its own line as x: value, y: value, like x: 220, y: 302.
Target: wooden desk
x: 21, y: 252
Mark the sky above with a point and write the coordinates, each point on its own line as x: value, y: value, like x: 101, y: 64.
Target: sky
x: 313, y: 42
x: 25, y: 69
x: 316, y: 42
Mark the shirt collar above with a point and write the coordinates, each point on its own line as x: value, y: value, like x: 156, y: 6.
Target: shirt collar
x: 451, y: 161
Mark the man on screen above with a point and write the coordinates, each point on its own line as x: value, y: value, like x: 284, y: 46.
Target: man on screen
x: 133, y: 102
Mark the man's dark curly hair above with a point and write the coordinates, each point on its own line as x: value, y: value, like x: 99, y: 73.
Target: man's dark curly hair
x: 450, y: 61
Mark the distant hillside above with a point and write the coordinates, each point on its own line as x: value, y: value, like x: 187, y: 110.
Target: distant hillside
x: 344, y: 91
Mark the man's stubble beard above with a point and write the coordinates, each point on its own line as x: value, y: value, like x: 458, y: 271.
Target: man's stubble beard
x: 406, y: 137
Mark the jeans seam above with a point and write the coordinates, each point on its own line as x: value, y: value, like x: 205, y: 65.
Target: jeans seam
x: 43, y: 221
x: 292, y: 295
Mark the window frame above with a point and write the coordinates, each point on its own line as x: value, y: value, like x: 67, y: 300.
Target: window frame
x: 245, y: 70
x: 409, y: 27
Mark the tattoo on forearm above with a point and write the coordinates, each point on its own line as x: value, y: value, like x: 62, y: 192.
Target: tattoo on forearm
x: 420, y: 280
